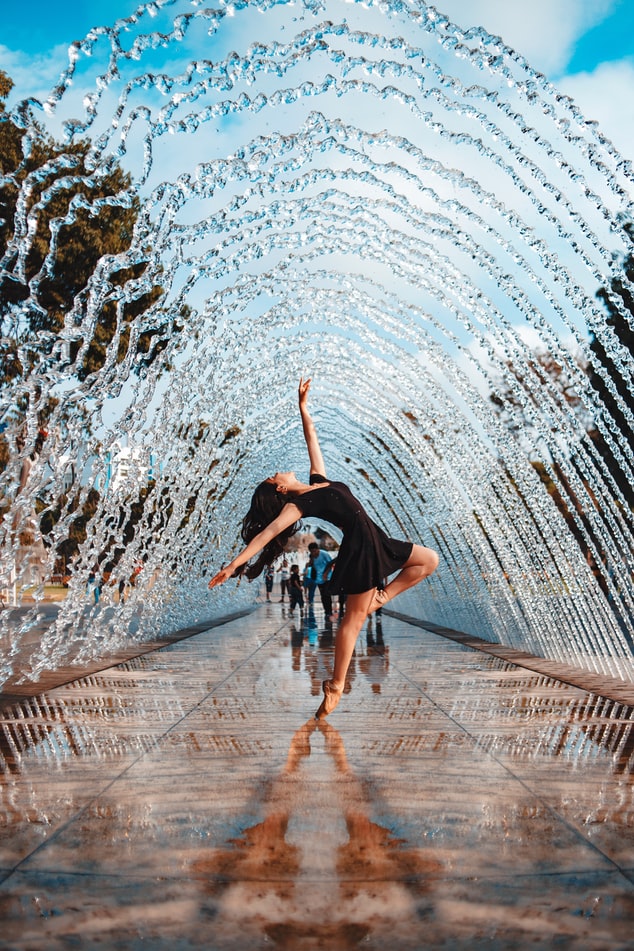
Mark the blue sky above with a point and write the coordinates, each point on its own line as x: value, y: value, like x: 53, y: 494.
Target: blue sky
x: 611, y: 39
x: 585, y: 46
x: 51, y: 24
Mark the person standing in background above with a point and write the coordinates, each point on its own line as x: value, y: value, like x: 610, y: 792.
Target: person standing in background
x: 322, y: 566
x: 309, y: 581
x: 284, y: 580
x: 269, y: 577
x: 295, y: 589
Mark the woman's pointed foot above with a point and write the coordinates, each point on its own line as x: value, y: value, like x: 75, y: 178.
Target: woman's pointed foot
x: 379, y: 599
x: 332, y: 696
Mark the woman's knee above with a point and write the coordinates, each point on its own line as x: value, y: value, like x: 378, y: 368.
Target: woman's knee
x: 432, y: 560
x: 426, y: 559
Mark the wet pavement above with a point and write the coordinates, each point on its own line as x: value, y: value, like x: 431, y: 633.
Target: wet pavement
x: 187, y: 799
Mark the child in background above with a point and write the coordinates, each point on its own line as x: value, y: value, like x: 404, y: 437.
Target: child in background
x: 269, y: 577
x: 295, y: 589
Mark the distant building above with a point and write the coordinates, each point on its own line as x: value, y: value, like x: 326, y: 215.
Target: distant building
x: 128, y: 465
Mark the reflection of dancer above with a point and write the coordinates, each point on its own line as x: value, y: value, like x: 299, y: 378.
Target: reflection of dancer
x: 376, y: 663
x: 301, y: 882
x: 365, y: 557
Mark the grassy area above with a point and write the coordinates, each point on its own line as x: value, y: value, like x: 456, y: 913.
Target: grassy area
x: 52, y: 592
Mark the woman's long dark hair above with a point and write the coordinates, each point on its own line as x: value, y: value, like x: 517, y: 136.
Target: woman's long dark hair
x: 266, y: 505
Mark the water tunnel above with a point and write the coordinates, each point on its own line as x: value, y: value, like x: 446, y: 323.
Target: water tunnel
x: 216, y: 200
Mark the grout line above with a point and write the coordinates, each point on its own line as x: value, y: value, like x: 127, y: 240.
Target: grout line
x: 578, y: 834
x: 155, y: 743
x: 603, y: 685
x: 36, y: 688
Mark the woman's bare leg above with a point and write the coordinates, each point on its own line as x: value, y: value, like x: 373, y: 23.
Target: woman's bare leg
x: 347, y: 633
x: 421, y: 564
x: 357, y: 607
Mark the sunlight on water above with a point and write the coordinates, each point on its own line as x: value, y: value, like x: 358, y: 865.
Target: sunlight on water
x: 367, y: 194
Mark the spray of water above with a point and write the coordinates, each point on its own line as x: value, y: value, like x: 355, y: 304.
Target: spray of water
x: 360, y: 192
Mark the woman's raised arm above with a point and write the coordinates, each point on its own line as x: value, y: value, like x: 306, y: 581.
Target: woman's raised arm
x: 310, y: 433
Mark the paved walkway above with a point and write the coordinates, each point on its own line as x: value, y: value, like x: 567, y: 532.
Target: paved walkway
x: 187, y: 799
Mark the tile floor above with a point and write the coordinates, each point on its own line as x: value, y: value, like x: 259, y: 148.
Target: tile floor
x: 186, y: 799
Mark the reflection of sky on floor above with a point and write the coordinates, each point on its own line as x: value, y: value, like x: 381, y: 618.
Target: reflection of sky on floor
x: 189, y: 793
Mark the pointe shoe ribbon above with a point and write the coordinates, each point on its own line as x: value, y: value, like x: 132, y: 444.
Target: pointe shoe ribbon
x: 332, y: 696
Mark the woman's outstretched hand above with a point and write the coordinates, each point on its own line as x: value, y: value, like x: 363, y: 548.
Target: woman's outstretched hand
x: 304, y: 386
x: 221, y: 576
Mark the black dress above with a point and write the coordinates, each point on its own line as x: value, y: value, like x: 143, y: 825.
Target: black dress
x: 366, y: 555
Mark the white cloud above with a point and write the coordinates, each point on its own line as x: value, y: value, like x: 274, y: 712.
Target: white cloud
x: 605, y: 95
x: 544, y: 31
x: 33, y: 75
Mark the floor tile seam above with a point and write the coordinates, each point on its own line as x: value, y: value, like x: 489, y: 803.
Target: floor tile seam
x: 151, y: 748
x: 576, y: 832
x: 592, y: 682
x: 141, y: 649
x: 510, y: 876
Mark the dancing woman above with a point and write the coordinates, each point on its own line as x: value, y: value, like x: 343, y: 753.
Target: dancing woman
x: 366, y: 555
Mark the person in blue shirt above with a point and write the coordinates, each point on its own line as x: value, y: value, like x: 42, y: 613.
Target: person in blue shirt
x: 365, y: 558
x: 322, y: 566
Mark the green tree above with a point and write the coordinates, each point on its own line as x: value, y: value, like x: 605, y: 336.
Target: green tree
x: 78, y: 531
x: 97, y: 213
x: 76, y: 215
x: 511, y: 406
x: 543, y: 369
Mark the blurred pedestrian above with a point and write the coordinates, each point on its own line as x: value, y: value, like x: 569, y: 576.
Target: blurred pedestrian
x: 295, y: 589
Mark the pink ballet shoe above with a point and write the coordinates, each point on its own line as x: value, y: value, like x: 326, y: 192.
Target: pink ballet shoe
x: 332, y: 696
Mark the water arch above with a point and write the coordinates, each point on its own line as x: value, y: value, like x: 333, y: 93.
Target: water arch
x: 365, y: 193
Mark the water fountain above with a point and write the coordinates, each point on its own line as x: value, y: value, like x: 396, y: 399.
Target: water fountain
x: 362, y: 192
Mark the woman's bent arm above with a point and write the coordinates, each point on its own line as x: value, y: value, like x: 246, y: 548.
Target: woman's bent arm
x: 287, y: 517
x: 310, y: 433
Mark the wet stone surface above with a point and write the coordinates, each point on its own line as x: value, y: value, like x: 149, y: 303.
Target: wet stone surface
x: 187, y: 799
